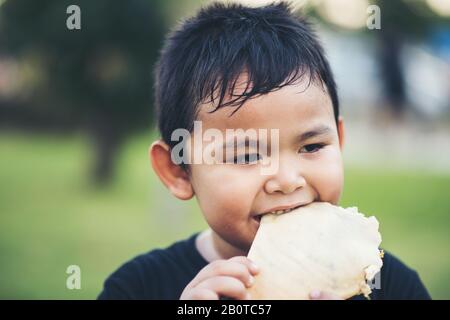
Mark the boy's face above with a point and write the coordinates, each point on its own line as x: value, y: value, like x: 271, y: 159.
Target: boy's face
x: 231, y: 196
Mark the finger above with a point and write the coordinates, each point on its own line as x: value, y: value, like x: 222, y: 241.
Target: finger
x: 321, y: 295
x: 200, y: 294
x: 254, y: 269
x: 224, y: 268
x: 226, y: 286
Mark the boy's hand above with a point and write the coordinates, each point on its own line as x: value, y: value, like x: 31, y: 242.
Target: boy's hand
x: 320, y: 295
x: 222, y: 278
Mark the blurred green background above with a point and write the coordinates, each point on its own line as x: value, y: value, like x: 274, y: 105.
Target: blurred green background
x: 76, y: 121
x: 52, y: 217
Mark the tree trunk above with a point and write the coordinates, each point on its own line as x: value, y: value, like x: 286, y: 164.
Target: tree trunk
x: 106, y: 137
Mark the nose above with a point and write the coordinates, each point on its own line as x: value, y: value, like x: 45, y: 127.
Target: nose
x: 287, y: 179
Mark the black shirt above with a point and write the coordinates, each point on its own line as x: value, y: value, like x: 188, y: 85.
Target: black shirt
x: 164, y: 273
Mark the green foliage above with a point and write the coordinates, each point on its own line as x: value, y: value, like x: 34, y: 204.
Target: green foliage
x: 104, y: 68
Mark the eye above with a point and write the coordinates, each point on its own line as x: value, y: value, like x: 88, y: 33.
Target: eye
x: 311, y: 148
x: 248, y: 158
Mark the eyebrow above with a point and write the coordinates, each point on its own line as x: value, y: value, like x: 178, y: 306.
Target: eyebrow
x: 320, y: 130
x: 317, y: 131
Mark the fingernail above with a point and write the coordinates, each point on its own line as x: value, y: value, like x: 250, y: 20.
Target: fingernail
x: 315, y: 294
x: 250, y: 282
x: 254, y: 267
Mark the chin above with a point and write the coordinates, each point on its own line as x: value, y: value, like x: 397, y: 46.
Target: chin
x: 244, y: 242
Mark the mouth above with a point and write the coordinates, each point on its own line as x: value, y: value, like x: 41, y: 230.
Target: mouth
x: 277, y: 211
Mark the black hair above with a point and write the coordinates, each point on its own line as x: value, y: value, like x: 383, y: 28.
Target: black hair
x: 204, y: 56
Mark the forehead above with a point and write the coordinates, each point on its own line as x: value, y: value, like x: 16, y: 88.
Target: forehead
x: 300, y: 105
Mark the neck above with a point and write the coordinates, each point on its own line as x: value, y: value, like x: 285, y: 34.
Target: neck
x: 212, y: 247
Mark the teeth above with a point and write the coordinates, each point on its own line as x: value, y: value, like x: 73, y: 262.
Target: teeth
x: 281, y: 211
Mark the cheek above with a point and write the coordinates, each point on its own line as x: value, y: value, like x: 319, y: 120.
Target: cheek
x: 224, y: 193
x: 327, y: 175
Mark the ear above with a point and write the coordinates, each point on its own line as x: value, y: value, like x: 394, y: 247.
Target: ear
x: 341, y: 131
x: 171, y: 175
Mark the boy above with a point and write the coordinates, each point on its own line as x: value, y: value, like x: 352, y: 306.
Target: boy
x: 236, y: 67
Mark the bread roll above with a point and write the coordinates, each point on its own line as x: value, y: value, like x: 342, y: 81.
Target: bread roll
x: 315, y: 247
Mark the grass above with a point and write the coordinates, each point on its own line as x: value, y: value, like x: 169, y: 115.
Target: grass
x: 51, y: 217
